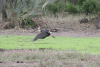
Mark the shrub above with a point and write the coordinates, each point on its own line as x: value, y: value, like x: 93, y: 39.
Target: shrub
x: 79, y: 8
x: 80, y: 2
x: 89, y: 6
x: 27, y: 22
x: 97, y: 7
x: 53, y: 8
x: 71, y: 8
x: 73, y: 1
x: 9, y: 26
x: 61, y: 6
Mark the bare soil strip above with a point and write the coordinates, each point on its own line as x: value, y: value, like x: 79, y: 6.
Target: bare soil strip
x: 94, y: 33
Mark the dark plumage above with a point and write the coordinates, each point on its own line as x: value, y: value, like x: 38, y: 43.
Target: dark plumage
x: 43, y: 34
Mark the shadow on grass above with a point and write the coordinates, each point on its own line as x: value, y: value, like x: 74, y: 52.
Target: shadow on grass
x: 1, y: 49
x: 43, y: 43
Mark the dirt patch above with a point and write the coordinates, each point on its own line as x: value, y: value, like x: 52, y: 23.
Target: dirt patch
x: 47, y: 58
x: 86, y: 33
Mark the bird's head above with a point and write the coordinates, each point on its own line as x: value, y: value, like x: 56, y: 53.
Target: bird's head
x: 50, y: 32
x: 39, y: 29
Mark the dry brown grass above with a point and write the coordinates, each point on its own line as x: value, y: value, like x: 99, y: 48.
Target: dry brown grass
x: 68, y: 18
x: 70, y: 22
x: 65, y: 22
x: 50, y: 58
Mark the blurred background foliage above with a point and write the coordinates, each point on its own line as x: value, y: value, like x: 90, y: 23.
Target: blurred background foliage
x: 24, y: 10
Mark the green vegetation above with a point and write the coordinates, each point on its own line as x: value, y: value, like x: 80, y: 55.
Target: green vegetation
x: 89, y: 6
x: 27, y: 22
x: 71, y: 8
x: 79, y: 6
x: 53, y: 8
x: 84, y: 44
x: 21, y: 12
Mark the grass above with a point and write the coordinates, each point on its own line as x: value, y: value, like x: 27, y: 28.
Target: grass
x: 65, y: 55
x: 81, y: 44
x: 70, y: 22
x: 68, y: 18
x: 50, y: 58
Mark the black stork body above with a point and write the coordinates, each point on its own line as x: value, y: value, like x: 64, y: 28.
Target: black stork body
x: 43, y: 34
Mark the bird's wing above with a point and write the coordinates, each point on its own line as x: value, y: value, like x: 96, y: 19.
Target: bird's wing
x: 40, y: 36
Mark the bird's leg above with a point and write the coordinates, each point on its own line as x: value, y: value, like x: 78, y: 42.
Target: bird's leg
x: 53, y: 36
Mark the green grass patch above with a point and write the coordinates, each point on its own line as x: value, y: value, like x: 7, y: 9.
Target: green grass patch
x: 81, y: 44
